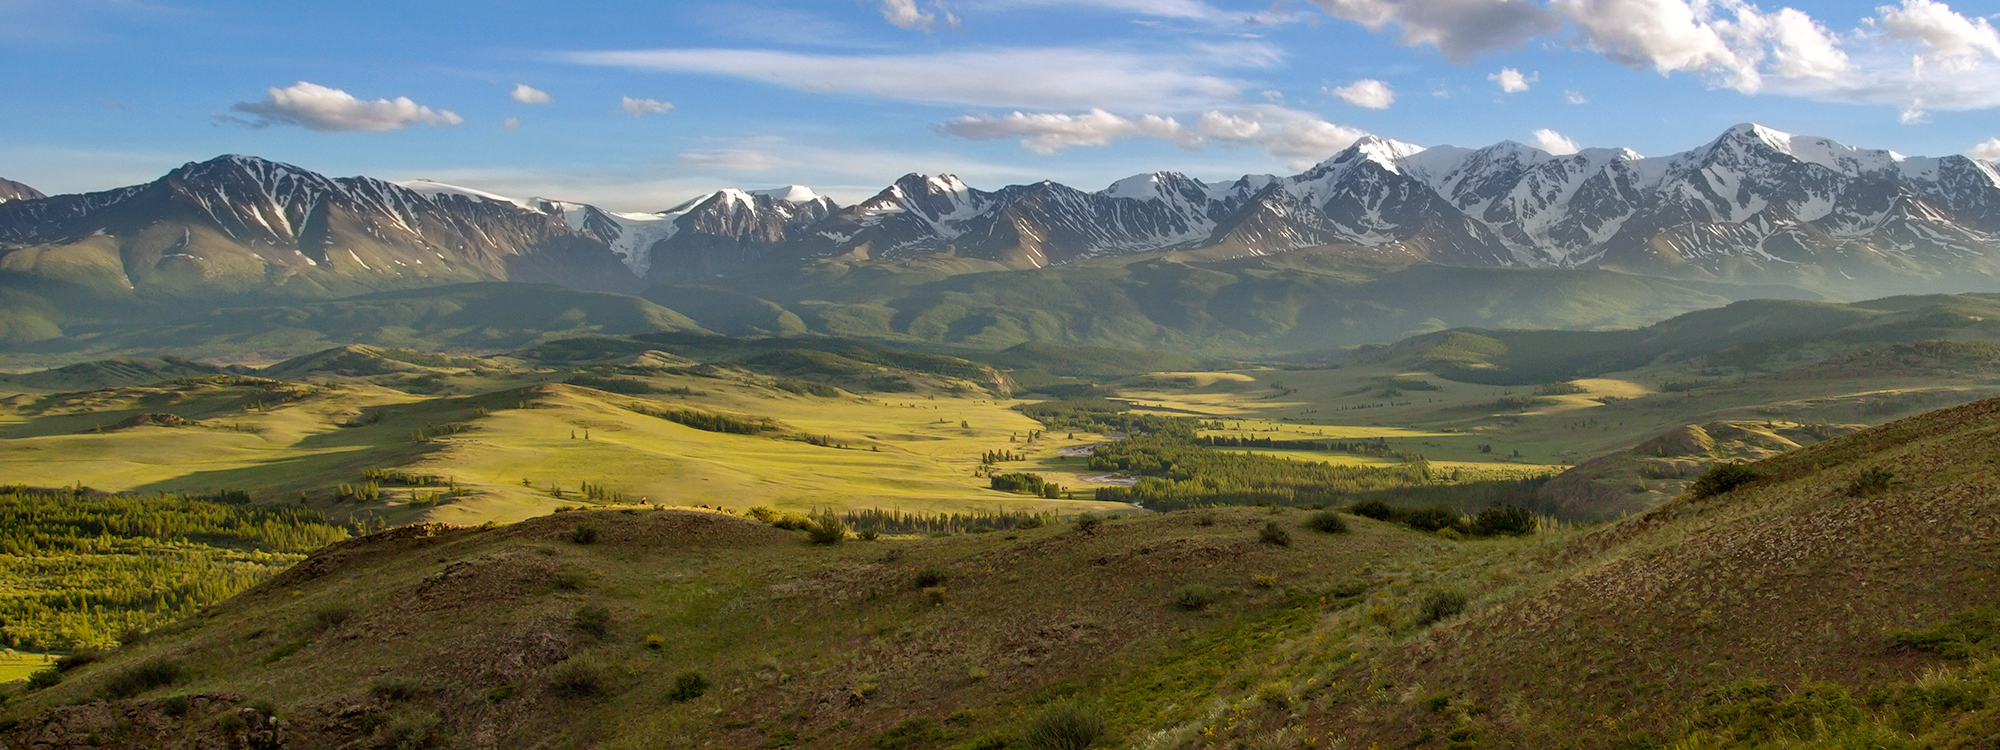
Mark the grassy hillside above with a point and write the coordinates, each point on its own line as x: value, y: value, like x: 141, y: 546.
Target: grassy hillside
x: 1829, y: 597
x: 483, y: 317
x: 1239, y: 307
x: 1754, y: 335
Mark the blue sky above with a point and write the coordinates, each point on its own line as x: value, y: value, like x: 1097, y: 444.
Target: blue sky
x: 639, y: 105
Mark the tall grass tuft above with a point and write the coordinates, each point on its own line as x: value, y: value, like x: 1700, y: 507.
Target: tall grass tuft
x: 1066, y: 726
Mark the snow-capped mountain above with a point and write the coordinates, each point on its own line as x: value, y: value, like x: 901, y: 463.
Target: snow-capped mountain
x: 14, y: 191
x: 1753, y: 204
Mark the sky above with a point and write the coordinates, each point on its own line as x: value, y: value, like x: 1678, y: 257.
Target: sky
x: 642, y: 105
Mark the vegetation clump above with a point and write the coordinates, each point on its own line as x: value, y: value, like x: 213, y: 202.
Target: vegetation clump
x: 827, y: 528
x: 1874, y: 481
x: 1327, y: 522
x: 592, y: 620
x: 1025, y: 483
x: 1195, y: 597
x: 1440, y: 606
x: 1504, y: 520
x: 1066, y: 726
x: 1275, y: 535
x: 1087, y: 523
x: 143, y: 677
x: 688, y: 686
x: 393, y: 689
x: 1722, y: 478
x: 576, y: 680
x: 583, y: 534
x: 1972, y: 633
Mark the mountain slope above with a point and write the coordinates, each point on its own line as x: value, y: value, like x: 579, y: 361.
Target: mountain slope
x: 238, y: 225
x: 1743, y: 335
x: 14, y: 191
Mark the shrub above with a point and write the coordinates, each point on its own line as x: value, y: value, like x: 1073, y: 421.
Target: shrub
x: 1195, y: 597
x: 1375, y: 509
x: 75, y: 660
x: 1508, y: 520
x: 46, y: 677
x: 331, y: 616
x: 593, y: 620
x: 411, y: 731
x: 393, y: 689
x: 1722, y: 478
x: 1870, y: 482
x: 1276, y: 535
x: 764, y: 514
x: 142, y: 677
x: 1065, y: 726
x: 574, y: 680
x: 688, y: 686
x: 929, y: 577
x: 1088, y: 523
x: 1433, y: 518
x: 583, y: 534
x: 1205, y: 518
x: 828, y: 528
x: 1441, y: 606
x: 1327, y: 522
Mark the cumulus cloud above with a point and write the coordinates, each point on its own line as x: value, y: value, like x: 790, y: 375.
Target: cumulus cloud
x: 526, y: 94
x: 643, y: 107
x: 1988, y: 149
x: 1286, y: 133
x: 1574, y: 96
x: 1367, y: 93
x: 1049, y: 78
x: 1461, y: 29
x: 1511, y: 81
x: 1728, y: 41
x: 1555, y: 143
x: 1954, y: 41
x: 511, y: 123
x: 903, y: 14
x: 315, y: 107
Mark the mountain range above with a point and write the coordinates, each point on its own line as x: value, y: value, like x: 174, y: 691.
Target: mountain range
x: 1754, y: 204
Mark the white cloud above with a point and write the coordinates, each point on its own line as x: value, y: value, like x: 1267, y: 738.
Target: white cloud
x: 1014, y: 78
x: 1184, y: 10
x: 734, y: 160
x: 642, y: 107
x: 526, y: 94
x: 1555, y: 143
x: 1728, y: 41
x: 315, y: 107
x: 1461, y: 29
x: 1511, y: 81
x: 1800, y: 46
x: 1956, y: 42
x: 1286, y: 133
x: 1049, y: 133
x: 903, y: 14
x: 1988, y: 149
x: 1367, y: 93
x: 1574, y: 96
x: 511, y: 123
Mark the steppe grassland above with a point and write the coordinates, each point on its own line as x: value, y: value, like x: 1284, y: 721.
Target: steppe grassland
x: 908, y: 452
